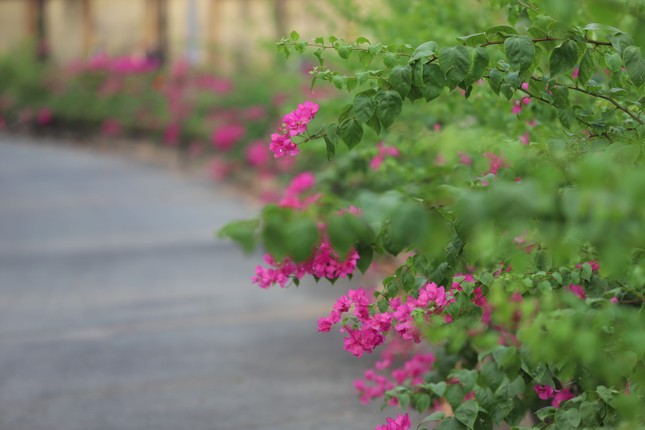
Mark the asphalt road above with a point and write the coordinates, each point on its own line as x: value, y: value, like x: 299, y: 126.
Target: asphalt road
x: 119, y: 309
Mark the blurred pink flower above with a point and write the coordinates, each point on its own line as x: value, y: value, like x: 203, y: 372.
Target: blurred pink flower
x: 525, y: 138
x: 226, y: 136
x: 111, y: 127
x: 44, y: 116
x: 255, y: 113
x: 383, y: 151
x: 257, y: 154
x: 172, y: 134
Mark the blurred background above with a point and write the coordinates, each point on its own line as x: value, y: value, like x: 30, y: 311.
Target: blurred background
x: 130, y: 131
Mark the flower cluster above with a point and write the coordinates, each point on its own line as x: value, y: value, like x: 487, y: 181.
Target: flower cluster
x: 546, y: 392
x: 324, y: 263
x: 374, y: 385
x: 401, y: 422
x: 383, y: 151
x: 293, y: 124
x: 292, y: 197
x: 370, y: 329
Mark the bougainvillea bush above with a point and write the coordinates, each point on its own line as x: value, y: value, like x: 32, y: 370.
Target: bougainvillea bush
x: 193, y: 109
x: 510, y: 236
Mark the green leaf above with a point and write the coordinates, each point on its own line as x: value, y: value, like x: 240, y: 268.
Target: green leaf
x: 585, y: 271
x: 301, y: 237
x: 495, y: 79
x: 563, y: 58
x: 409, y: 225
x: 473, y: 39
x: 339, y: 81
x: 404, y: 400
x: 500, y: 32
x: 479, y: 59
x: 242, y: 232
x: 422, y: 402
x: 613, y: 61
x: 340, y: 235
x: 435, y: 416
x: 560, y: 96
x: 567, y: 419
x: 374, y: 124
x: 606, y: 394
x: 467, y: 378
x: 620, y: 41
x: 520, y: 51
x: 351, y: 131
x: 388, y: 107
x: 505, y: 356
x: 467, y: 413
x: 486, y: 279
x: 344, y: 51
x: 401, y: 80
x: 434, y: 80
x: 364, y: 105
x: 516, y: 386
x: 586, y: 68
x: 451, y: 424
x: 365, y: 58
x: 455, y: 63
x: 634, y: 64
x: 294, y: 35
x: 545, y: 413
x: 426, y: 49
x: 439, y: 388
x: 567, y: 117
x: 391, y: 60
x: 366, y: 254
x: 330, y: 147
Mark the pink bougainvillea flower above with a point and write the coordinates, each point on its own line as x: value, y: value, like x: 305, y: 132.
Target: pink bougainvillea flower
x: 578, y: 291
x: 172, y: 134
x: 593, y: 263
x: 111, y: 127
x: 465, y: 159
x: 226, y: 136
x: 525, y: 86
x: 525, y: 138
x: 255, y: 113
x: 257, y: 154
x: 44, y: 116
x: 544, y: 392
x: 575, y: 73
x: 495, y: 162
x: 281, y: 145
x: 517, y: 108
x: 296, y: 122
x: 401, y: 422
x: 562, y: 396
x: 383, y: 151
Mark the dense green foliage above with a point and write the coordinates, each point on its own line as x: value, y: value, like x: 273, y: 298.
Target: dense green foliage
x: 533, y: 184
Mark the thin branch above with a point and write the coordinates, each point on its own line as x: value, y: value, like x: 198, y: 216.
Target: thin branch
x: 609, y: 99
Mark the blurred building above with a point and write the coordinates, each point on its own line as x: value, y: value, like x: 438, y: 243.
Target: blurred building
x: 221, y: 32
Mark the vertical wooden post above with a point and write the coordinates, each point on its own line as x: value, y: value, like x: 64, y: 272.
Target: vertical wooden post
x: 242, y: 56
x: 280, y: 18
x: 38, y: 9
x: 157, y: 30
x: 162, y: 30
x: 214, y: 13
x: 88, y: 26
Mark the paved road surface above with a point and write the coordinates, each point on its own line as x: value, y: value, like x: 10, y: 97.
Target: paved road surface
x: 118, y: 309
